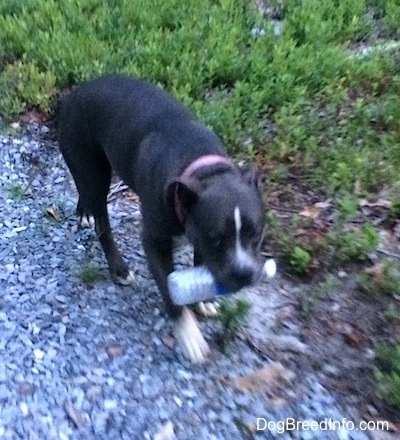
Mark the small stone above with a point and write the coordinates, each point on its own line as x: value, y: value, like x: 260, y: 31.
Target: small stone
x: 93, y: 392
x: 178, y: 401
x: 243, y: 400
x: 166, y: 432
x: 10, y: 268
x: 3, y: 372
x: 110, y: 404
x: 159, y: 324
x: 185, y: 374
x: 335, y: 307
x: 39, y: 354
x: 24, y: 408
x: 4, y: 392
x: 190, y: 394
x: 152, y: 387
x: 99, y: 421
x: 114, y: 351
x: 330, y: 370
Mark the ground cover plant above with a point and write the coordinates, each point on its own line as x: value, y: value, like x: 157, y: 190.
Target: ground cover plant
x: 312, y: 103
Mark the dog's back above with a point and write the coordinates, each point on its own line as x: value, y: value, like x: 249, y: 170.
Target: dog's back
x: 105, y: 103
x: 121, y: 111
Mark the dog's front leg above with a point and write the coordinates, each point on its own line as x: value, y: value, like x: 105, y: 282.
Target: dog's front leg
x: 187, y: 331
x: 209, y: 308
x: 188, y: 334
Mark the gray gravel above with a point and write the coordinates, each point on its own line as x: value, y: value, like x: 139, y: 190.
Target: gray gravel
x: 96, y: 361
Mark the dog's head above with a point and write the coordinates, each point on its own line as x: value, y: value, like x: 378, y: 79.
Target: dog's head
x: 223, y: 218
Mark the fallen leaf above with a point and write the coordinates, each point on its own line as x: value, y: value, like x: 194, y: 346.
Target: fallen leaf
x: 26, y: 388
x: 53, y: 212
x: 354, y: 339
x: 277, y: 402
x: 168, y: 341
x: 34, y: 117
x: 131, y: 196
x: 380, y: 203
x: 323, y: 205
x: 310, y: 212
x: 352, y: 336
x: 376, y: 271
x: 264, y: 378
x: 114, y: 351
x: 247, y: 426
x: 76, y: 417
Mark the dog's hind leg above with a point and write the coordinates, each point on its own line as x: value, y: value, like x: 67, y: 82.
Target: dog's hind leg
x: 118, y: 268
x: 92, y: 174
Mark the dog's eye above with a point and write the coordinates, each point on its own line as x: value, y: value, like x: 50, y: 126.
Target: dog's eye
x: 215, y: 241
x: 248, y: 232
x: 252, y: 235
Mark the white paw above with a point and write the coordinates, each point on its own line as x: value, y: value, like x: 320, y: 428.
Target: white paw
x: 207, y: 309
x: 189, y: 336
x: 129, y: 280
x: 86, y: 221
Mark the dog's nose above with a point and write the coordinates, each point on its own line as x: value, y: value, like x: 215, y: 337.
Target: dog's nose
x: 243, y: 276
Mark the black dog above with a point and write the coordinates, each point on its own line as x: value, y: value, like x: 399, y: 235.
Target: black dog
x: 186, y: 184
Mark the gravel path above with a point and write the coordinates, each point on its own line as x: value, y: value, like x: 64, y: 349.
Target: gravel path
x: 97, y: 360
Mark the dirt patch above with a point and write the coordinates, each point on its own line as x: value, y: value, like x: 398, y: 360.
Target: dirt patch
x: 335, y: 342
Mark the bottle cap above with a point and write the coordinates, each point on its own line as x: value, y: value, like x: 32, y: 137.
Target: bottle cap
x: 270, y: 268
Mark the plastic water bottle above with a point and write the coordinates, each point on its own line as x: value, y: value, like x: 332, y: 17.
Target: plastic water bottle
x: 197, y: 284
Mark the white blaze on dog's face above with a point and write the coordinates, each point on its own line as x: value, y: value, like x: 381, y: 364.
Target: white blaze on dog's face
x: 243, y: 259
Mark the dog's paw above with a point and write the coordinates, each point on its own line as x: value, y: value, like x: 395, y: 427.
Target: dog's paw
x: 86, y: 221
x: 188, y: 334
x: 207, y: 309
x: 128, y: 280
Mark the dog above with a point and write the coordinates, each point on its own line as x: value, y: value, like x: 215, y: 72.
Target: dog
x: 185, y: 181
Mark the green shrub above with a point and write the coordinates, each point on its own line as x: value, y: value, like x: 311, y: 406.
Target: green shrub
x: 17, y: 192
x: 315, y: 293
x: 232, y: 315
x: 24, y: 86
x: 301, y: 99
x: 387, y: 379
x: 299, y: 260
x: 355, y: 245
x: 392, y: 16
x: 381, y: 279
x: 89, y: 274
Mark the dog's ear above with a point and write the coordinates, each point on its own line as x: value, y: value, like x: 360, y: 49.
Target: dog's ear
x: 252, y: 177
x: 181, y: 195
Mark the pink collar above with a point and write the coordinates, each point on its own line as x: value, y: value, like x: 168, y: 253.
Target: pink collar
x: 204, y: 161
x: 197, y: 164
